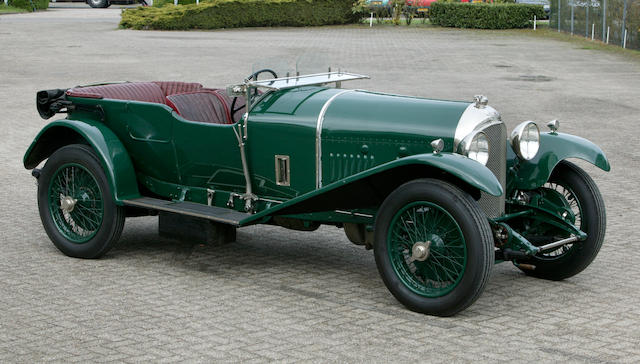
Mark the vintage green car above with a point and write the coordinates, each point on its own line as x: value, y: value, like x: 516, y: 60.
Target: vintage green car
x: 437, y: 188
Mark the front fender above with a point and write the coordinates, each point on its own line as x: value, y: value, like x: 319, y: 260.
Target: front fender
x: 110, y: 150
x: 554, y: 147
x: 465, y: 169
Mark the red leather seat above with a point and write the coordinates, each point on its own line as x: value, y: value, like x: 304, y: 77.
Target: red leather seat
x: 138, y: 91
x: 206, y: 106
x: 239, y: 106
x: 174, y: 87
x: 190, y: 100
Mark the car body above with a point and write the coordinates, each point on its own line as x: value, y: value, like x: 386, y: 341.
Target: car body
x: 436, y: 188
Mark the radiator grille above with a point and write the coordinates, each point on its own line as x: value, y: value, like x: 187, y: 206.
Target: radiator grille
x: 497, y: 134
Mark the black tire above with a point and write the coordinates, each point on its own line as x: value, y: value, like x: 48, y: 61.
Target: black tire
x: 593, y: 222
x: 474, y: 227
x: 108, y: 227
x: 99, y: 3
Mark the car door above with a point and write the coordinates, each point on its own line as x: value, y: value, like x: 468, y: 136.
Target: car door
x: 281, y: 144
x: 207, y: 155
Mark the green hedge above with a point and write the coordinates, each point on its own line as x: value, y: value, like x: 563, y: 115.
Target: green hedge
x: 484, y: 16
x: 241, y: 13
x: 25, y: 4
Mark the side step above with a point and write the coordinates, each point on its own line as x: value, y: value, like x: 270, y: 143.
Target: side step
x: 213, y: 213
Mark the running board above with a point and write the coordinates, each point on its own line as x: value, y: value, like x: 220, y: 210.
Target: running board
x: 217, y: 214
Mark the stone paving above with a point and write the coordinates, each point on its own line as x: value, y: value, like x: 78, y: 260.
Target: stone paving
x: 291, y: 296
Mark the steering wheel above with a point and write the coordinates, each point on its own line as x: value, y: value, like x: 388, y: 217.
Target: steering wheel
x: 253, y: 76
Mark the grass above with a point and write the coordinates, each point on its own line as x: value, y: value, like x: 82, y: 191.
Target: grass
x: 5, y: 9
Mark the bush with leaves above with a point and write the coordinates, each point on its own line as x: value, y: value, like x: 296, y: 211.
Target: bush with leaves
x: 484, y: 16
x: 241, y: 13
x: 26, y: 4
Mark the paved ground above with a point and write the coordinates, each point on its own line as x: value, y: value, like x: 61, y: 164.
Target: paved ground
x: 283, y: 295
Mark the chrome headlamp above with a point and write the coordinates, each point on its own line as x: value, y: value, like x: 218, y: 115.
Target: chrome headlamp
x: 525, y: 140
x: 476, y: 147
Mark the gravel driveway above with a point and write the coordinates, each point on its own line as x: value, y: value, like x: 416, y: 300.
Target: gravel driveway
x: 291, y: 296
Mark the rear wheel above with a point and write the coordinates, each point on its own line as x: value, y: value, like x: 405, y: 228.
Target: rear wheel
x: 433, y: 247
x: 574, y: 188
x: 75, y: 203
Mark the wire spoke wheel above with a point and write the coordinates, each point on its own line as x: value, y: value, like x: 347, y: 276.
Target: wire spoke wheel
x: 570, y: 188
x: 75, y: 202
x: 427, y: 249
x: 433, y: 247
x: 571, y: 203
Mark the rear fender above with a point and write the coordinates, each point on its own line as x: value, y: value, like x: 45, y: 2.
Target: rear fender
x: 111, y: 152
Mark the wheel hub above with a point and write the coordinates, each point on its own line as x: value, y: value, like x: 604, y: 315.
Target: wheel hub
x: 420, y: 251
x: 67, y: 203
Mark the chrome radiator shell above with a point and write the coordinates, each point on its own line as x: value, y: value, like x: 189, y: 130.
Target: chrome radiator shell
x: 496, y: 133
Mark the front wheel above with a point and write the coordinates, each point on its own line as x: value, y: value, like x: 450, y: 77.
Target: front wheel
x: 75, y: 203
x: 433, y: 247
x: 579, y: 193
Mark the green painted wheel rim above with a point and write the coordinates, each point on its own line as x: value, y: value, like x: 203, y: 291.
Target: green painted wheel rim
x: 444, y: 267
x: 72, y: 184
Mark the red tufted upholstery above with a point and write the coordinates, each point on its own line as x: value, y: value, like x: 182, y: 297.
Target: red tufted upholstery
x: 173, y: 87
x: 190, y: 100
x: 239, y: 106
x: 205, y: 106
x: 138, y: 91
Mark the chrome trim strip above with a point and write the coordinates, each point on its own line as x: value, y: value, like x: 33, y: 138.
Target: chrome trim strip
x: 319, y: 136
x: 353, y: 213
x: 471, y: 118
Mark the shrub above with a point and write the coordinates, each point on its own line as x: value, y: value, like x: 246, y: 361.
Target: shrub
x: 240, y: 13
x: 484, y: 16
x: 25, y: 4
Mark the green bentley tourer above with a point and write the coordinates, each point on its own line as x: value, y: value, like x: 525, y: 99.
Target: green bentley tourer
x: 438, y: 189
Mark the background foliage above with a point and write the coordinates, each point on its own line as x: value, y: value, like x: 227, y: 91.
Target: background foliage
x: 25, y: 4
x: 241, y: 13
x: 484, y: 16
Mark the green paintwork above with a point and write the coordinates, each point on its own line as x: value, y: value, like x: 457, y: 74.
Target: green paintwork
x: 145, y: 129
x: 444, y: 267
x: 284, y: 123
x: 470, y: 171
x: 81, y: 223
x: 534, y: 211
x: 112, y: 153
x: 361, y: 130
x: 356, y: 216
x: 363, y: 134
x: 554, y: 147
x: 180, y: 159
